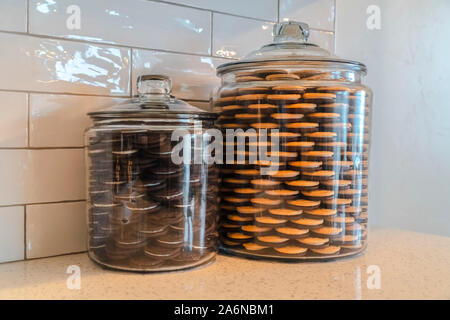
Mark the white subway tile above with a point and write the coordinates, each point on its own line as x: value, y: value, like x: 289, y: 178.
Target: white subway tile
x: 39, y: 64
x: 234, y: 37
x: 317, y: 13
x: 136, y: 23
x: 324, y: 39
x: 33, y: 176
x: 13, y: 15
x: 193, y: 77
x: 60, y: 120
x: 13, y: 120
x: 57, y: 228
x: 11, y: 233
x: 260, y: 9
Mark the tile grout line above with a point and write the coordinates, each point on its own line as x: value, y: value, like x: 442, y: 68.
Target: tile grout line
x: 62, y: 93
x: 28, y: 16
x: 40, y: 203
x: 122, y: 46
x: 211, y: 35
x: 334, y: 27
x: 30, y: 92
x: 42, y: 148
x: 278, y: 11
x: 25, y: 232
x: 210, y: 10
x: 106, y: 44
x: 50, y: 256
x: 28, y: 120
x: 321, y: 30
x: 131, y: 72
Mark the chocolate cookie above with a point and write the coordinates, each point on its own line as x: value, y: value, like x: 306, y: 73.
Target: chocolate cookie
x: 255, y: 230
x: 292, y: 233
x: 303, y: 108
x: 235, y: 219
x: 320, y: 213
x: 302, y: 127
x: 247, y: 192
x: 324, y: 116
x: 303, y: 204
x: 327, y: 232
x: 265, y: 202
x: 283, y: 174
x: 282, y: 76
x: 299, y: 145
x: 319, y: 194
x: 262, y: 108
x: 288, y: 89
x: 269, y: 222
x: 287, y: 117
x: 265, y: 184
x: 254, y: 247
x: 317, y: 155
x: 293, y: 251
x: 239, y: 237
x: 250, y: 99
x: 271, y: 241
x: 321, y: 136
x: 313, y: 243
x: 232, y: 110
x: 284, y: 194
x: 331, y: 250
x: 253, y: 90
x: 302, y: 185
x: 336, y: 184
x: 283, y: 213
x: 319, y: 98
x: 283, y: 98
x: 318, y: 175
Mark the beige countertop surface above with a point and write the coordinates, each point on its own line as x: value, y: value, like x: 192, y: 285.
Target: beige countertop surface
x: 408, y: 265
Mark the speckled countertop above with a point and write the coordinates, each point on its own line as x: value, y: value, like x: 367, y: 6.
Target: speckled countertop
x: 412, y: 266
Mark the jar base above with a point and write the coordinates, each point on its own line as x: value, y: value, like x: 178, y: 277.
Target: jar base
x: 207, y: 260
x: 255, y: 256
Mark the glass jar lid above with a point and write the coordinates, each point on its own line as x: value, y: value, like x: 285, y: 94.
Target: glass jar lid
x: 154, y: 100
x: 289, y: 48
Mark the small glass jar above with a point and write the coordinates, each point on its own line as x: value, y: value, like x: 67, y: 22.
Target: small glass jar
x: 147, y: 211
x: 298, y: 119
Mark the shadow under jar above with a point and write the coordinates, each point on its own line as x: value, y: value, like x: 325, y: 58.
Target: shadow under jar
x: 297, y: 120
x: 150, y: 207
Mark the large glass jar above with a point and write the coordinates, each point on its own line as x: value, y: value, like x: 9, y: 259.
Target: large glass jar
x: 296, y: 125
x: 150, y: 209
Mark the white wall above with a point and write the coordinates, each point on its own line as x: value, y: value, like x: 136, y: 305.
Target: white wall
x: 409, y: 71
x: 52, y: 75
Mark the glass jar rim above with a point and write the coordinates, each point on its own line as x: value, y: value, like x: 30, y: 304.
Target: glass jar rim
x: 297, y: 62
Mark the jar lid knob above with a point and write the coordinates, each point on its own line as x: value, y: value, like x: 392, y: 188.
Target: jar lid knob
x: 154, y: 84
x: 290, y: 31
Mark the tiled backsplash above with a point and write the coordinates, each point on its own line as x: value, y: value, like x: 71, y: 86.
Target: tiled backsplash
x: 64, y: 58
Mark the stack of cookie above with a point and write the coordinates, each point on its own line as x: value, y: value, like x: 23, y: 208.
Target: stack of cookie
x: 145, y: 212
x: 315, y: 204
